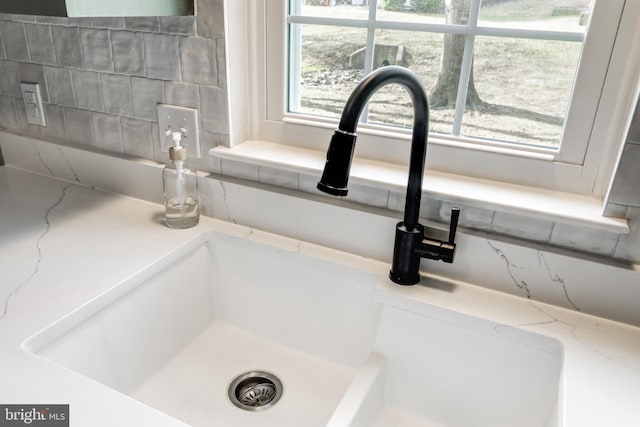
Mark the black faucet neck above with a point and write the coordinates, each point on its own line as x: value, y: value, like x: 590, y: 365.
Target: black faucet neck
x: 340, y: 153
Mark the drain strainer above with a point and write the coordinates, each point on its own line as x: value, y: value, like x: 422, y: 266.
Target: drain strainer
x: 255, y: 390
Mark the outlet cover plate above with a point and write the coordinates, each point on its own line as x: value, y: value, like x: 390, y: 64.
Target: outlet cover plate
x: 174, y: 118
x: 33, y: 103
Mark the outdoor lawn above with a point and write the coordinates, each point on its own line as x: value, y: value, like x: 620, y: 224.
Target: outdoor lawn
x: 525, y: 84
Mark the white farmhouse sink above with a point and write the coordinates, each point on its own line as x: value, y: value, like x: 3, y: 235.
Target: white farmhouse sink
x: 177, y: 334
x: 446, y: 369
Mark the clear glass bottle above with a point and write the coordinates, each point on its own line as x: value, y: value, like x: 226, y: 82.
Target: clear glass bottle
x: 180, y: 183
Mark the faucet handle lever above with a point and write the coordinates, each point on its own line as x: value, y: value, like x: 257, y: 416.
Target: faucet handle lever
x: 453, y: 225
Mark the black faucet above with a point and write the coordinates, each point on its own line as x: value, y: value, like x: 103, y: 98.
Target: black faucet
x: 410, y: 242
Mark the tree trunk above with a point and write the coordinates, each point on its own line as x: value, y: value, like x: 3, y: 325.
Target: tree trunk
x: 445, y: 90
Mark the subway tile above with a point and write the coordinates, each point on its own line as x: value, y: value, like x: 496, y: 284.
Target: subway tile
x: 107, y: 22
x: 584, y: 239
x: 116, y: 94
x: 158, y: 155
x: 8, y: 114
x: 136, y: 137
x: 224, y: 140
x: 78, y: 126
x: 208, y: 140
x: 523, y: 227
x: 60, y: 87
x: 198, y: 56
x: 96, y: 49
x: 395, y: 203
x: 278, y: 177
x: 628, y: 247
x: 213, y: 109
x: 14, y: 39
x: 306, y: 183
x: 147, y: 94
x: 182, y: 94
x: 615, y: 211
x: 221, y: 63
x: 210, y: 18
x: 17, y: 17
x: 182, y: 25
x: 67, y: 46
x: 107, y: 133
x: 624, y: 190
x: 86, y: 86
x: 429, y: 208
x: 40, y: 44
x: 634, y: 130
x: 128, y: 53
x: 56, y: 128
x: 24, y: 125
x: 51, y: 20
x: 34, y: 73
x: 142, y: 23
x: 239, y: 170
x: 10, y: 78
x: 3, y: 54
x: 80, y: 21
x: 160, y: 55
x: 470, y: 217
x: 369, y: 195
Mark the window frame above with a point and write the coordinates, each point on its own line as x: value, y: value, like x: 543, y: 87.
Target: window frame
x: 258, y: 112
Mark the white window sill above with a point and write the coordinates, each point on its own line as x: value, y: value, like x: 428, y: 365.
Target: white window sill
x: 527, y: 202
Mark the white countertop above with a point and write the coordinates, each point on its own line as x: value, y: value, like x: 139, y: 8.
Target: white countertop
x: 63, y: 244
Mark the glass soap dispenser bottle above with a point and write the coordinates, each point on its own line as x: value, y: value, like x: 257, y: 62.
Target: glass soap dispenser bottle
x: 180, y: 184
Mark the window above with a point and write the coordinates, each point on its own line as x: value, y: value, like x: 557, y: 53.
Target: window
x: 553, y: 122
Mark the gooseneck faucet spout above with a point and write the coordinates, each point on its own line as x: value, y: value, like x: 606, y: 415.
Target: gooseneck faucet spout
x: 410, y: 244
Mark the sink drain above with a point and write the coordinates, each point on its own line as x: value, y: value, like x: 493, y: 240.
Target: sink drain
x: 255, y: 391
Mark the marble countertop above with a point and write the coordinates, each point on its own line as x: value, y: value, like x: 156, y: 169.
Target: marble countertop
x: 64, y: 243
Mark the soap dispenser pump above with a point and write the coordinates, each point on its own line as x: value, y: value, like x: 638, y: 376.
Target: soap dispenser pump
x: 180, y: 184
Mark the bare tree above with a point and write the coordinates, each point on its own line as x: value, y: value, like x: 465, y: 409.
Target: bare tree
x: 445, y: 90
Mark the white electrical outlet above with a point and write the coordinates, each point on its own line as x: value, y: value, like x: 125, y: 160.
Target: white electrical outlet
x: 179, y: 119
x: 33, y: 103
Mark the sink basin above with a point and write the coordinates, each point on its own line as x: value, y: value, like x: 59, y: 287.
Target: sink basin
x: 176, y: 335
x: 446, y: 369
x: 347, y: 351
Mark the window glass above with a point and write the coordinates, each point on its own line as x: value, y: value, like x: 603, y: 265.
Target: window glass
x: 515, y: 60
x: 524, y: 86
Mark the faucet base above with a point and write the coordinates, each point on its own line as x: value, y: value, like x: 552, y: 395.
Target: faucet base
x: 405, y: 265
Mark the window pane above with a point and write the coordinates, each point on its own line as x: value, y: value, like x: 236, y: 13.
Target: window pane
x: 423, y: 11
x: 525, y: 86
x: 341, y: 9
x: 557, y: 15
x: 325, y: 76
x: 420, y: 52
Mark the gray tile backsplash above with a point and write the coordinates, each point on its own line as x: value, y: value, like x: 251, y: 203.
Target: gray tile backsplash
x: 160, y: 56
x: 67, y: 46
x: 625, y: 188
x: 116, y: 94
x: 40, y: 44
x: 182, y: 94
x: 102, y: 78
x: 86, y: 87
x: 96, y: 49
x: 147, y: 94
x: 107, y: 132
x: 78, y: 126
x: 128, y: 53
x: 59, y: 86
x: 14, y: 39
x: 198, y: 56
